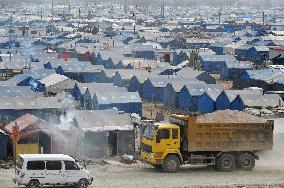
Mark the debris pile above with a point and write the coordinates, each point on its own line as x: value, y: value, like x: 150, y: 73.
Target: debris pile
x: 94, y: 162
x: 6, y: 164
x: 126, y: 159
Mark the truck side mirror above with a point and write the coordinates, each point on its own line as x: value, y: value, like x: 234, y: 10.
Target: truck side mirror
x: 158, y: 137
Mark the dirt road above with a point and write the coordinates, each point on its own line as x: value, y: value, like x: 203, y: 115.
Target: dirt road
x: 269, y: 172
x: 139, y: 175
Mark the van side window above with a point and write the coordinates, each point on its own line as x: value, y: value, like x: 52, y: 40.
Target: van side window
x: 53, y: 165
x: 71, y: 165
x: 35, y: 165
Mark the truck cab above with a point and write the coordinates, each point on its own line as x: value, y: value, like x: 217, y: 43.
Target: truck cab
x: 160, y: 146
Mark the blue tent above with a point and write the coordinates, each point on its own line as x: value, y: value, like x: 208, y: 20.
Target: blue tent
x: 237, y: 104
x: 207, y: 101
x: 222, y: 101
x: 128, y: 102
x: 189, y: 95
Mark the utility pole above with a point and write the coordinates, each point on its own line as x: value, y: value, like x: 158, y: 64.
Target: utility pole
x: 79, y: 19
x: 263, y: 19
x: 125, y: 6
x: 163, y: 11
x: 41, y: 13
x: 134, y: 23
x: 52, y: 18
x: 219, y: 17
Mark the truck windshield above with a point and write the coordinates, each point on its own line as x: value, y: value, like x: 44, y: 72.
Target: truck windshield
x: 149, y: 131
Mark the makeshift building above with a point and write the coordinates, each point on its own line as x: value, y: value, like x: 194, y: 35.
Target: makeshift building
x: 215, y: 63
x: 36, y: 135
x: 235, y: 69
x: 93, y: 88
x: 106, y: 132
x: 56, y: 83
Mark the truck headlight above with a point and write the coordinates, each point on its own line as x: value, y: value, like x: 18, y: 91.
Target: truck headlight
x: 151, y: 155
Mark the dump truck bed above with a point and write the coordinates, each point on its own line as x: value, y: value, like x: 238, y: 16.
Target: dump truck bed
x: 230, y: 137
x: 226, y: 136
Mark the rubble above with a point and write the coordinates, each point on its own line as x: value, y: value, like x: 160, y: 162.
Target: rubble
x: 95, y: 162
x: 6, y: 164
x: 126, y: 159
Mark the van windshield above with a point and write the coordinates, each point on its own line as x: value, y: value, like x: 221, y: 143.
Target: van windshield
x: 20, y: 163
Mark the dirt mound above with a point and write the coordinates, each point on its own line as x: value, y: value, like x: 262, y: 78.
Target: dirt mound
x: 229, y: 116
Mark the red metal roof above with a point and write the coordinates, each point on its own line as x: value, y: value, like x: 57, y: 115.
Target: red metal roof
x: 278, y: 48
x: 29, y: 125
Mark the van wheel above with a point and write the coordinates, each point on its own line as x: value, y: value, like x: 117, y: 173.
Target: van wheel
x: 33, y: 184
x: 171, y: 164
x: 226, y: 162
x: 83, y: 183
x: 246, y: 161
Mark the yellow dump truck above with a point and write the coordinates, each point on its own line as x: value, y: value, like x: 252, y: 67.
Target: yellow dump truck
x: 224, y: 139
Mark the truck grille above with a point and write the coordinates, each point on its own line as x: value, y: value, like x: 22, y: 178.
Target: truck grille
x: 146, y: 148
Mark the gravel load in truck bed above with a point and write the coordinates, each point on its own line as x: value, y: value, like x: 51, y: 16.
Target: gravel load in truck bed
x: 229, y: 116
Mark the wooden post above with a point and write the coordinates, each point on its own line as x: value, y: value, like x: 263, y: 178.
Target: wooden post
x: 14, y: 152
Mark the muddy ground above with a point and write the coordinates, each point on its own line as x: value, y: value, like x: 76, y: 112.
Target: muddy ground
x: 269, y: 172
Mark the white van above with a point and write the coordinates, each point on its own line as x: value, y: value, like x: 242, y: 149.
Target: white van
x: 35, y: 170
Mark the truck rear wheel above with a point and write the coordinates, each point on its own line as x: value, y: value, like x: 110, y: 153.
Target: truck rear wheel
x: 246, y: 161
x: 226, y: 162
x: 171, y: 164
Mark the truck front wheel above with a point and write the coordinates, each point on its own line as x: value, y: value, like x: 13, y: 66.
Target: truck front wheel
x: 226, y: 162
x: 246, y: 161
x: 171, y: 164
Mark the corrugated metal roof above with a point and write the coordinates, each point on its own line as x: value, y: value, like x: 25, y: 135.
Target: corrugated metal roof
x: 117, y: 97
x: 267, y: 100
x: 239, y: 65
x: 24, y: 122
x: 53, y: 79
x: 101, y: 120
x: 93, y: 88
x: 38, y: 74
x: 17, y: 91
x: 127, y: 74
x: 199, y: 89
x: 25, y: 103
x: 218, y: 58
